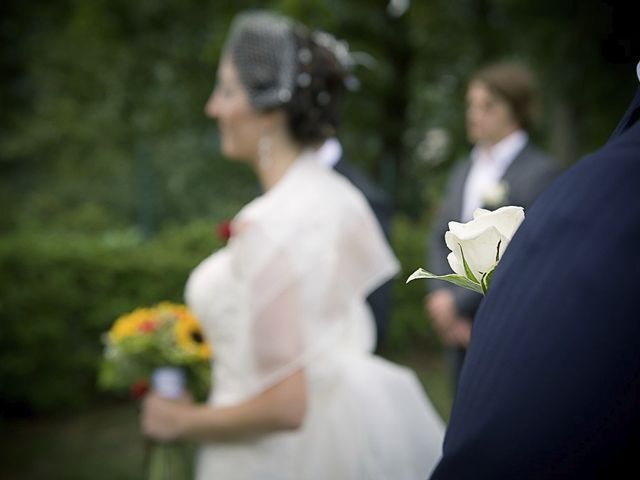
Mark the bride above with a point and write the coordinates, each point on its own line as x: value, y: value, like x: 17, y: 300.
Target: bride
x: 297, y: 393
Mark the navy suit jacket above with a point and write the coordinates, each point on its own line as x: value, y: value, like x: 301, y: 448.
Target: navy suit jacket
x: 550, y: 388
x: 380, y: 299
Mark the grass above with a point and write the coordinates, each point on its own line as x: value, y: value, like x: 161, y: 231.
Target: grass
x: 100, y: 444
x: 105, y: 442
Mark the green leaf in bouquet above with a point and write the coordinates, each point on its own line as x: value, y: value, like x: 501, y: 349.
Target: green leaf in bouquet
x: 118, y: 371
x: 136, y: 344
x: 456, y: 279
x: 199, y: 379
x: 108, y: 378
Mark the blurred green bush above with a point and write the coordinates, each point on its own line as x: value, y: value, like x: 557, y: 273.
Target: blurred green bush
x: 61, y: 292
x: 409, y: 330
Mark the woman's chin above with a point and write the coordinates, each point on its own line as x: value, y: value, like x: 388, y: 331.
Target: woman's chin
x: 230, y: 153
x: 473, y: 136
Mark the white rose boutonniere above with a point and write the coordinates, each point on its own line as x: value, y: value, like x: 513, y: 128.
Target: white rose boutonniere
x: 477, y: 246
x: 496, y: 194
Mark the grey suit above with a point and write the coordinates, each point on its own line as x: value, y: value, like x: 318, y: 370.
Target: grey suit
x: 527, y: 176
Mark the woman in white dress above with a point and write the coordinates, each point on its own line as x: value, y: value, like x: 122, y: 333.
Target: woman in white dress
x: 296, y: 392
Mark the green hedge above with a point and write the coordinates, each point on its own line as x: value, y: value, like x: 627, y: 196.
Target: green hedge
x: 409, y: 329
x: 60, y: 293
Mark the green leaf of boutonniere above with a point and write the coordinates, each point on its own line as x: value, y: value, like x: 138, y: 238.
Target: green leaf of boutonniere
x: 485, y: 281
x: 456, y: 279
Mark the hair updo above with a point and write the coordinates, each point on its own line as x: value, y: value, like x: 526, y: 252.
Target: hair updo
x: 282, y: 65
x: 315, y: 108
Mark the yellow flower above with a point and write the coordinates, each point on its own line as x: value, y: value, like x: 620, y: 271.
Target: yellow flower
x: 184, y: 327
x: 189, y: 335
x: 140, y: 321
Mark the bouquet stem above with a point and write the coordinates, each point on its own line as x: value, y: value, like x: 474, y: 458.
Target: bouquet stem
x: 169, y: 461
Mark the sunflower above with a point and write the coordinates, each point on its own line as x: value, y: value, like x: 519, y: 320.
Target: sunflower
x: 189, y: 336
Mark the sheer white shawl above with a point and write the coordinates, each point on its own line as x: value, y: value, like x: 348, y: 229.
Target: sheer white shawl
x: 307, y: 253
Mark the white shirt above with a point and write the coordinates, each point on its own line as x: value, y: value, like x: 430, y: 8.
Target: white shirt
x: 638, y: 71
x: 488, y: 165
x: 329, y: 153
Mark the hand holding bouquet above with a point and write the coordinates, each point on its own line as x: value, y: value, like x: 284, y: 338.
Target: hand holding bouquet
x: 163, y: 345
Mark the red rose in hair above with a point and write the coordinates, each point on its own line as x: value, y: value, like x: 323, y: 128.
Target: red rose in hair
x: 224, y: 230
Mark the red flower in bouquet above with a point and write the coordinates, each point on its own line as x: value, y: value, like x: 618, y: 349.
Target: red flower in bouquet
x: 140, y: 388
x: 145, y: 339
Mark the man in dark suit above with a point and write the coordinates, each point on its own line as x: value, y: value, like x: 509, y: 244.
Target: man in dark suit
x: 504, y: 168
x: 331, y: 155
x: 551, y: 383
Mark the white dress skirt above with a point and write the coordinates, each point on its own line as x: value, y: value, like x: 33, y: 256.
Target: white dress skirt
x: 288, y: 293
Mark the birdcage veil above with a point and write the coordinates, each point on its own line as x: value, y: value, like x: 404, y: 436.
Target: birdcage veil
x: 265, y: 51
x: 262, y: 46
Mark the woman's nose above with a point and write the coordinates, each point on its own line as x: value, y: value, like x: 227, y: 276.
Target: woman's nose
x: 211, y: 108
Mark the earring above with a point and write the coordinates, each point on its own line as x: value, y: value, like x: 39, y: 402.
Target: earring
x: 264, y: 152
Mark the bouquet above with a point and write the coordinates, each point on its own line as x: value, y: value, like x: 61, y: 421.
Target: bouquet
x: 162, y: 346
x: 477, y: 247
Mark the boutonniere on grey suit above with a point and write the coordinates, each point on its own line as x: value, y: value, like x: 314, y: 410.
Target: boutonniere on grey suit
x: 496, y: 195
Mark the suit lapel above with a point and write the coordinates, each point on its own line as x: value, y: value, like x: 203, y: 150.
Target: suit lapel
x: 512, y: 170
x: 630, y: 117
x: 457, y: 192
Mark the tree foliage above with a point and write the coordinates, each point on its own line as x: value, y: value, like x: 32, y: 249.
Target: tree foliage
x: 103, y: 124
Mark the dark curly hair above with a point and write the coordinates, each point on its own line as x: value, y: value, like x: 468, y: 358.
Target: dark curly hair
x: 283, y: 66
x: 315, y: 109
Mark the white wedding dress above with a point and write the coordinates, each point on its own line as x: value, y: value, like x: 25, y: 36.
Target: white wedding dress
x: 288, y: 293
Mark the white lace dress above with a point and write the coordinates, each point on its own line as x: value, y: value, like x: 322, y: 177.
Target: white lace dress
x: 288, y: 292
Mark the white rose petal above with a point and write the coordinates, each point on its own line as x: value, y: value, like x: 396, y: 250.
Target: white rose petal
x: 483, y: 240
x: 479, y: 250
x: 505, y: 219
x: 456, y: 265
x: 480, y: 243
